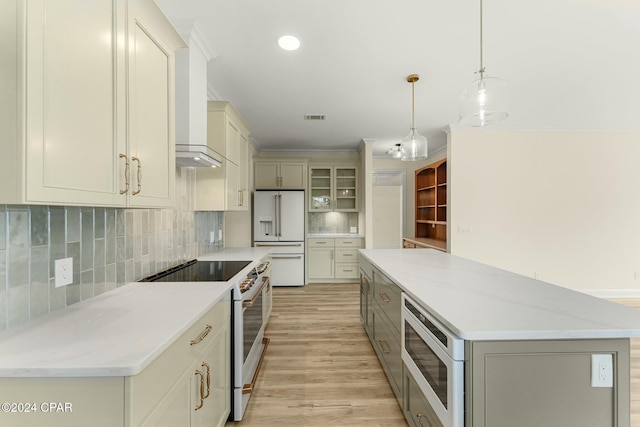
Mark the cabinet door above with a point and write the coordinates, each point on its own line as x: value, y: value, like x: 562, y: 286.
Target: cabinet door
x: 320, y: 189
x: 292, y: 176
x: 231, y: 186
x: 210, y: 384
x: 151, y: 122
x: 321, y: 263
x: 75, y: 123
x: 243, y: 171
x: 346, y: 187
x: 266, y: 175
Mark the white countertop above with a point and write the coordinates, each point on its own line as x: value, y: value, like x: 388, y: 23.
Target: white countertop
x: 118, y: 333
x: 478, y: 302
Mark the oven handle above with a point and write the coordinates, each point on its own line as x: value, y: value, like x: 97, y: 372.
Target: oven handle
x: 268, y: 245
x: 248, y: 388
x: 247, y: 304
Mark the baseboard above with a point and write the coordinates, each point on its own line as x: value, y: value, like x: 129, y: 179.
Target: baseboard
x: 612, y: 293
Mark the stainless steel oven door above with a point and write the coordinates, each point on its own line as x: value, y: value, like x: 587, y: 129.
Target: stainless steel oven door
x: 440, y: 378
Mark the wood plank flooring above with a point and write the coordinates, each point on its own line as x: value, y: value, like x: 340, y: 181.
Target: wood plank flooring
x: 320, y: 369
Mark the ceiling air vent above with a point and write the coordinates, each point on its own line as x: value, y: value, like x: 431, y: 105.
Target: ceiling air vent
x: 315, y: 117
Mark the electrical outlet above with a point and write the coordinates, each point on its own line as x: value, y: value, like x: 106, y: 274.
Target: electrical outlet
x: 601, y: 370
x: 63, y: 272
x: 219, y: 234
x: 212, y: 237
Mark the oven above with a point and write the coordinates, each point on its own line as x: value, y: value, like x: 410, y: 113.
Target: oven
x: 249, y: 343
x: 249, y: 294
x: 434, y: 358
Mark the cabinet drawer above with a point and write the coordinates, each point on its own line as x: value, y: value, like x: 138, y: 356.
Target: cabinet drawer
x: 346, y: 255
x: 147, y: 387
x: 416, y: 408
x: 320, y: 243
x: 349, y: 242
x: 387, y: 344
x: 347, y: 271
x: 387, y: 295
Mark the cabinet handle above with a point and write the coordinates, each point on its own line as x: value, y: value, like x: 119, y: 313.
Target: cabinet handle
x: 206, y: 365
x: 199, y: 405
x: 384, y: 297
x: 383, y: 345
x: 331, y: 253
x: 126, y: 174
x: 139, y: 175
x: 419, y: 417
x: 202, y: 336
x: 347, y: 254
x: 347, y: 270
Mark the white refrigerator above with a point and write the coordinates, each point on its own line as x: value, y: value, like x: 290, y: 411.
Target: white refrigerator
x: 278, y: 223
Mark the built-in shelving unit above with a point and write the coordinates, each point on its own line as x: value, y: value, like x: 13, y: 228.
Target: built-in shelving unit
x: 431, y: 202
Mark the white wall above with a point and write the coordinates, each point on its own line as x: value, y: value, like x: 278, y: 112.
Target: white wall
x: 560, y: 205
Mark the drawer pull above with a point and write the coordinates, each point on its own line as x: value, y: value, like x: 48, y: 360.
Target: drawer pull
x: 199, y: 405
x: 347, y: 254
x: 347, y: 270
x: 384, y: 297
x: 202, y: 336
x: 206, y: 365
x: 384, y: 347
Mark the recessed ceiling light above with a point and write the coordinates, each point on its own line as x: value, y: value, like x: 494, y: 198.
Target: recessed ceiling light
x: 289, y: 42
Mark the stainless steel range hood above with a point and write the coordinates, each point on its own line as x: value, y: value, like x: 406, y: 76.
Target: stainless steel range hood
x: 196, y: 156
x: 191, y: 100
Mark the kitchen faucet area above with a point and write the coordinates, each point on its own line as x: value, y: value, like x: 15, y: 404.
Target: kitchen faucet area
x: 319, y: 214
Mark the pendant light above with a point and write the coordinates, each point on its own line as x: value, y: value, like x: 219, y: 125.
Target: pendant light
x: 484, y: 102
x: 413, y: 146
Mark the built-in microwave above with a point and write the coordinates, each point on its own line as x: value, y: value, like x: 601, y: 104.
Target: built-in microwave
x: 435, y: 359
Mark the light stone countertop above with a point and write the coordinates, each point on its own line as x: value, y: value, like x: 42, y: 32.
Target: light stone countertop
x: 118, y: 333
x: 478, y: 302
x: 333, y: 235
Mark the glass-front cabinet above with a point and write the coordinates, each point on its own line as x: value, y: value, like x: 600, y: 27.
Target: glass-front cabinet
x: 333, y: 188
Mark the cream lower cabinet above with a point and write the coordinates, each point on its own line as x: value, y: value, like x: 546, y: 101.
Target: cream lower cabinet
x: 187, y: 385
x: 96, y: 132
x: 333, y: 259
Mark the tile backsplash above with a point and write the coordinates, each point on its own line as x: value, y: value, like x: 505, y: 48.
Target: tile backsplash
x: 332, y: 222
x: 110, y: 247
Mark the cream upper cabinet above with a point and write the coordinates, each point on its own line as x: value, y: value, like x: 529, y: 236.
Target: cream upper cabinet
x: 333, y: 188
x: 152, y: 42
x: 276, y: 174
x: 70, y: 97
x: 225, y: 188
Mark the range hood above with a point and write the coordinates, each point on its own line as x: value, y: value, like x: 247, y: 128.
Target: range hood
x: 191, y: 100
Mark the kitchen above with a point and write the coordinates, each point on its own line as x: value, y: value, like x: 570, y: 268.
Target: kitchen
x: 111, y: 246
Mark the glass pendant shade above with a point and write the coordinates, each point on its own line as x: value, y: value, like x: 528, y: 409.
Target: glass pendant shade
x: 414, y: 146
x: 483, y: 102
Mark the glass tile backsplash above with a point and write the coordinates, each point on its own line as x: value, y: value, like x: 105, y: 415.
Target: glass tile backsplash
x: 110, y: 247
x: 332, y: 222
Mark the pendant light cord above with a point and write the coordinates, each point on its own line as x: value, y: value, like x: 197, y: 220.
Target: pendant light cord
x: 481, y: 70
x: 413, y: 126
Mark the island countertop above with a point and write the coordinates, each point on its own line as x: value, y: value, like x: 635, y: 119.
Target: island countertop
x: 118, y: 333
x: 478, y: 302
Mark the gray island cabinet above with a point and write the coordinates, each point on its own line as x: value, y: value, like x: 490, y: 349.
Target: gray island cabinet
x: 535, y: 354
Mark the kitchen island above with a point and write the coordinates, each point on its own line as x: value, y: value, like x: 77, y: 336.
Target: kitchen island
x: 126, y: 357
x: 529, y: 346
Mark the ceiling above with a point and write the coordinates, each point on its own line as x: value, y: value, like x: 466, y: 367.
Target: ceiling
x: 568, y: 64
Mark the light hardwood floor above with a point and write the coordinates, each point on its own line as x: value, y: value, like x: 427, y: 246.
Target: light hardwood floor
x: 320, y: 369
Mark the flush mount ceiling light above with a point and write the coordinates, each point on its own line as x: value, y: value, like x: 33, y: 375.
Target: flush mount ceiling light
x: 413, y: 146
x: 395, y: 151
x: 484, y: 102
x: 289, y: 42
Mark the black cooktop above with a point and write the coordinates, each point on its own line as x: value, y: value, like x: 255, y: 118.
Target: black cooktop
x: 199, y: 271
